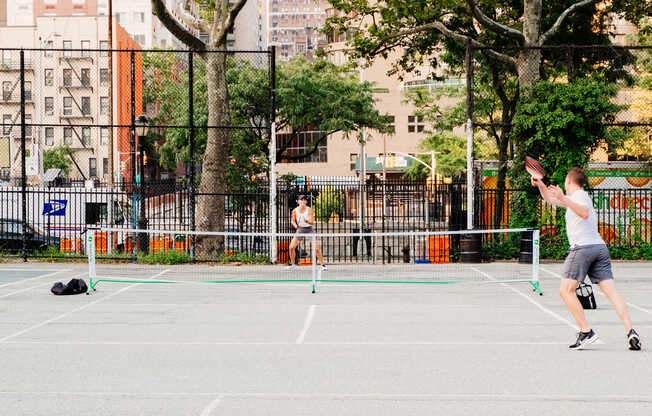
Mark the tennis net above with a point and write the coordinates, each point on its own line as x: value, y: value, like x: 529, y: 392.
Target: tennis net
x: 419, y: 257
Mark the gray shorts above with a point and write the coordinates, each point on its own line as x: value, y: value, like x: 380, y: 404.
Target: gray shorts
x: 303, y: 230
x: 592, y: 260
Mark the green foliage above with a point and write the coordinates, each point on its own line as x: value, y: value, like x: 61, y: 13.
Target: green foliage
x: 164, y: 257
x: 451, y: 160
x: 560, y: 125
x: 501, y: 247
x: 329, y: 201
x: 239, y: 257
x: 440, y: 122
x: 554, y: 246
x: 288, y: 177
x: 58, y: 158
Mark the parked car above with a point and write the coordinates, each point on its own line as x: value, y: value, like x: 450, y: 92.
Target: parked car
x: 11, y: 237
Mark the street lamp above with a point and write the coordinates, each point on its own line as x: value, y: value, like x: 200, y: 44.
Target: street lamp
x: 142, y: 126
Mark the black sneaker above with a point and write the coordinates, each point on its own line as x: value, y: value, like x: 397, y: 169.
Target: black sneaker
x: 634, y: 340
x: 584, y: 339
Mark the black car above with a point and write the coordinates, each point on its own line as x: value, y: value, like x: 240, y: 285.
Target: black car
x: 11, y: 237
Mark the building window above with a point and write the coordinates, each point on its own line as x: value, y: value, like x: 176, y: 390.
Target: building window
x: 85, y: 46
x: 392, y: 125
x: 415, y: 124
x: 140, y: 39
x: 28, y: 125
x: 104, y: 46
x: 49, y: 45
x: 67, y: 106
x: 104, y: 136
x: 140, y: 17
x: 104, y: 77
x: 6, y: 91
x: 303, y: 143
x: 28, y: 90
x: 49, y: 106
x: 67, y: 45
x: 6, y: 58
x: 86, y: 77
x: 86, y: 105
x: 104, y: 106
x: 67, y: 135
x: 6, y: 124
x: 353, y: 157
x: 49, y: 136
x: 48, y: 77
x: 86, y: 136
x: 67, y: 77
x: 105, y: 166
x: 92, y: 167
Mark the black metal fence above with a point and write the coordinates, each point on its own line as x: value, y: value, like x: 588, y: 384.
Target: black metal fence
x: 623, y: 214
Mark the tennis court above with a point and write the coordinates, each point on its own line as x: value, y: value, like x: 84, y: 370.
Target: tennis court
x: 277, y: 349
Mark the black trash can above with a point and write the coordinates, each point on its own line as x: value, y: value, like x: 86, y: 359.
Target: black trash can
x: 356, y: 240
x: 526, y: 248
x: 471, y: 248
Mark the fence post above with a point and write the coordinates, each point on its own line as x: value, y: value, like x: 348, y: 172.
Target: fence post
x: 272, y: 156
x: 469, y: 135
x: 191, y: 139
x: 23, y: 171
x: 132, y: 155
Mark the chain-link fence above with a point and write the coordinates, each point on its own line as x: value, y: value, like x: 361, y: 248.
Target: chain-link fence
x: 128, y: 138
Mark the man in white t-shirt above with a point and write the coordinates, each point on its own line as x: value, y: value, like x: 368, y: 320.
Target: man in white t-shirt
x: 588, y: 255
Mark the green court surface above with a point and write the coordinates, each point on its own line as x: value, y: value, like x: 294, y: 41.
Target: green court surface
x: 349, y: 349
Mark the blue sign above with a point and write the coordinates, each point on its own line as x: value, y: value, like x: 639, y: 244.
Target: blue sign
x: 56, y: 207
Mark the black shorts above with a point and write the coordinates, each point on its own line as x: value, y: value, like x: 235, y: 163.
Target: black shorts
x: 592, y: 260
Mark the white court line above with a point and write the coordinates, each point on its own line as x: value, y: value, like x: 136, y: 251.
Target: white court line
x: 63, y: 315
x: 535, y: 303
x: 600, y: 293
x: 212, y: 406
x: 39, y: 285
x: 476, y: 397
x: 31, y: 278
x: 253, y: 343
x: 306, y: 324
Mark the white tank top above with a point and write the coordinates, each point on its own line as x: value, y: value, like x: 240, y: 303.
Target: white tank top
x: 302, y: 217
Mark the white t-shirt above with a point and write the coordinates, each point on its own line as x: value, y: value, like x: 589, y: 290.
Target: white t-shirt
x: 582, y: 232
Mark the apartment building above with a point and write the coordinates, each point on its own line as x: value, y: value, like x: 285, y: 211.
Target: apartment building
x: 340, y: 155
x: 294, y: 26
x: 66, y: 93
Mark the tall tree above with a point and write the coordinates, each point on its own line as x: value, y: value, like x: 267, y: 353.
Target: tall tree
x: 507, y: 36
x: 217, y: 18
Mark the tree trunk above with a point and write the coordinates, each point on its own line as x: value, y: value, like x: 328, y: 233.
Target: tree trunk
x: 528, y: 67
x: 529, y: 60
x: 210, y: 202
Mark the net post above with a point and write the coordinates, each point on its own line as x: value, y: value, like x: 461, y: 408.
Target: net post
x: 535, y: 261
x: 314, y: 262
x: 90, y: 250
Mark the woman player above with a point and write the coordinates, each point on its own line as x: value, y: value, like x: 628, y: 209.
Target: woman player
x: 303, y: 220
x: 588, y: 254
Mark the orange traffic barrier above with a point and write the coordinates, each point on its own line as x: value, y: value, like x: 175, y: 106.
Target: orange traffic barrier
x: 439, y: 249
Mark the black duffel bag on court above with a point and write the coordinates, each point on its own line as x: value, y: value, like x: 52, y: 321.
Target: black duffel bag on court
x: 584, y: 293
x: 74, y: 287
